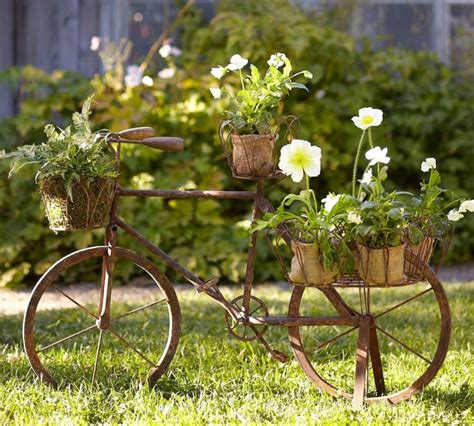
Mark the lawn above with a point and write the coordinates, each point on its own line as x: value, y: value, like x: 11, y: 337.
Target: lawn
x: 216, y: 379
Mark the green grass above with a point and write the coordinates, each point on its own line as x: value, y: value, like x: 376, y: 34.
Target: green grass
x: 216, y: 379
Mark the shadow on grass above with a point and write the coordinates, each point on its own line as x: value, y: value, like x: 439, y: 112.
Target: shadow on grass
x: 455, y: 401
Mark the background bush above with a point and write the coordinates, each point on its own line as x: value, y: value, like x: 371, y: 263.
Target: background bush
x: 429, y: 111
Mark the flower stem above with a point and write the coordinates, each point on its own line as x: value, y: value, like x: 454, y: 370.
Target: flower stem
x: 356, y: 162
x: 307, y: 194
x: 242, y: 79
x: 370, y: 138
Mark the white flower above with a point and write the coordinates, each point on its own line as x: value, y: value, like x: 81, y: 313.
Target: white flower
x: 368, y: 117
x: 277, y: 60
x: 429, y: 163
x: 330, y: 201
x: 218, y: 72
x: 167, y: 50
x: 237, y: 63
x: 467, y: 206
x: 95, y: 43
x: 354, y: 217
x: 377, y: 155
x: 216, y: 92
x: 147, y: 81
x: 300, y: 156
x: 366, y: 177
x: 454, y: 215
x: 166, y: 73
x: 134, y: 76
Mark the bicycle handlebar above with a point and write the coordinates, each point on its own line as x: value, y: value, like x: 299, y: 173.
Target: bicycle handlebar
x: 145, y: 136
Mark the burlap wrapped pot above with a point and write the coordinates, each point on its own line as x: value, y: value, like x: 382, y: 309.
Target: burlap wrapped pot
x: 306, y: 266
x: 382, y: 266
x: 88, y: 209
x: 253, y: 155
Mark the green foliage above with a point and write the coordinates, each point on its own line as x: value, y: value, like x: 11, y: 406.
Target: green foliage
x: 253, y: 108
x: 429, y: 113
x: 69, y: 153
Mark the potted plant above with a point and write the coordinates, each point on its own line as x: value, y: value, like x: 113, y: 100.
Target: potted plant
x: 432, y: 212
x: 379, y: 230
x: 317, y: 240
x: 249, y: 130
x: 76, y: 175
x: 389, y: 222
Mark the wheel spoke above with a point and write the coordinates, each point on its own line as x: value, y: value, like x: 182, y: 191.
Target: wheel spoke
x: 133, y: 348
x: 403, y: 344
x: 403, y: 303
x: 97, y: 354
x: 85, y: 330
x: 75, y: 302
x: 333, y: 339
x: 133, y: 311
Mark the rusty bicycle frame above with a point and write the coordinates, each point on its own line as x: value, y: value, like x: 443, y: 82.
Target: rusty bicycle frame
x: 260, y: 205
x: 367, y: 343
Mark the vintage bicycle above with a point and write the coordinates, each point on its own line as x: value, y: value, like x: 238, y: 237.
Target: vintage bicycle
x: 323, y: 343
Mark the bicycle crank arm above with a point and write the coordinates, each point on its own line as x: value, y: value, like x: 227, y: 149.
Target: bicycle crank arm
x: 276, y: 354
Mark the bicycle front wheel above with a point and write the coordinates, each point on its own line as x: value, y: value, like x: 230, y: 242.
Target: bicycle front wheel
x: 62, y: 340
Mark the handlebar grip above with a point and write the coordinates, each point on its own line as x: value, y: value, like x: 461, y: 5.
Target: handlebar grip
x: 165, y: 143
x: 137, y: 133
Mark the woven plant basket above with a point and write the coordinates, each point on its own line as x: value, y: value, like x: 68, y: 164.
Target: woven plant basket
x: 424, y: 250
x: 382, y: 266
x: 306, y: 266
x: 253, y: 155
x: 88, y: 209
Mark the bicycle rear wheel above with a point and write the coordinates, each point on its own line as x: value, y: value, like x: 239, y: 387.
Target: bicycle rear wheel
x: 65, y: 345
x: 400, y: 343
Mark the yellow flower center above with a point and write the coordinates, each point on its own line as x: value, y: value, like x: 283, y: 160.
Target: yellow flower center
x: 367, y: 119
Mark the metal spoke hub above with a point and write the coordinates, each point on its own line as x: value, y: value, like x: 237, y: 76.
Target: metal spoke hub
x: 242, y: 329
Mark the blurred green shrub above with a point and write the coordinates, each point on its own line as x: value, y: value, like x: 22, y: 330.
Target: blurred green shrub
x: 429, y: 112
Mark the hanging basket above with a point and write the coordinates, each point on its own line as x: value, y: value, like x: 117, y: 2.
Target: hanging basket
x: 88, y: 209
x: 382, y: 267
x: 255, y: 156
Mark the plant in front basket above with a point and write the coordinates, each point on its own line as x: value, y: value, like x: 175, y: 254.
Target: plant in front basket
x: 316, y: 229
x: 432, y: 212
x: 251, y: 123
x: 75, y: 175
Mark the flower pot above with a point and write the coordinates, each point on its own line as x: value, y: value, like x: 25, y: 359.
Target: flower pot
x: 306, y: 266
x: 424, y: 250
x: 88, y: 209
x: 253, y: 155
x: 382, y: 266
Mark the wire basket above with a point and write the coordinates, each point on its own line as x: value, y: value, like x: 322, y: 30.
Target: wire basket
x: 430, y: 250
x: 88, y: 209
x: 255, y: 156
x: 357, y: 265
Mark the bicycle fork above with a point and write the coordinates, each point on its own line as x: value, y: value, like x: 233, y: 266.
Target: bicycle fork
x: 108, y: 263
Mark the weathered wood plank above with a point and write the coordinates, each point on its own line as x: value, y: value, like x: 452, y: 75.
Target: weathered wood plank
x: 7, y: 33
x: 66, y: 13
x: 89, y: 26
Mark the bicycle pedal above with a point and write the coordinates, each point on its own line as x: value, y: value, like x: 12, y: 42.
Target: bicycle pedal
x: 207, y: 285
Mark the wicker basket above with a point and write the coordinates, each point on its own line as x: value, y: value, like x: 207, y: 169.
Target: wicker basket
x: 88, y: 209
x: 306, y: 266
x: 382, y: 266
